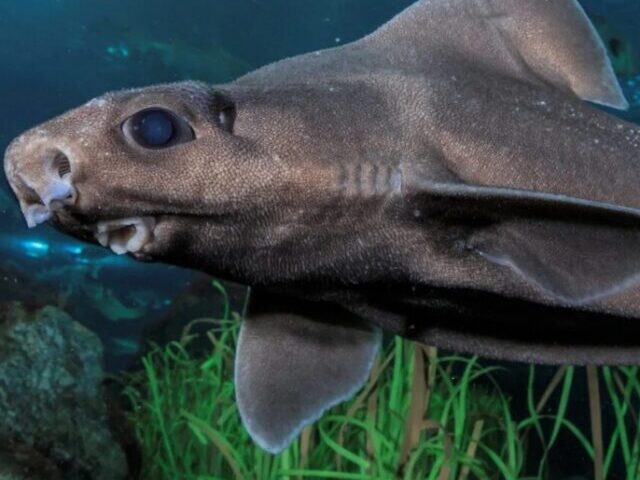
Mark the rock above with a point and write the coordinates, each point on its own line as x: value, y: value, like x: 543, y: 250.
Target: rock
x: 18, y: 462
x: 51, y: 396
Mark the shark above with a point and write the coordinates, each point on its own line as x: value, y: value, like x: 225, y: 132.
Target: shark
x: 450, y: 177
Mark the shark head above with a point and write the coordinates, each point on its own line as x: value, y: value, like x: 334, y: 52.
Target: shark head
x: 223, y: 179
x: 148, y: 172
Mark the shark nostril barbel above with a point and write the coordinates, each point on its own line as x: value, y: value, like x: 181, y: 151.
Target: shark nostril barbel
x: 51, y: 186
x: 35, y: 214
x: 57, y: 193
x: 54, y: 196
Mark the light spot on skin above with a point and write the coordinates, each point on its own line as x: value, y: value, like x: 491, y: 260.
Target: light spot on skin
x: 96, y: 102
x: 395, y: 181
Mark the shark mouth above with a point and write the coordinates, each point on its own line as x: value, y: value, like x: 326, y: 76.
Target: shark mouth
x: 126, y: 235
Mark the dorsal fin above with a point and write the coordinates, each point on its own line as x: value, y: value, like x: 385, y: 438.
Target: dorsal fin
x: 550, y: 41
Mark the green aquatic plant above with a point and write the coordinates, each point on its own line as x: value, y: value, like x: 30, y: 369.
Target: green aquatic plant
x: 622, y: 441
x: 421, y: 415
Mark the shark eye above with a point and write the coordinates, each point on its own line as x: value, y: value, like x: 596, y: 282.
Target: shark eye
x: 157, y: 128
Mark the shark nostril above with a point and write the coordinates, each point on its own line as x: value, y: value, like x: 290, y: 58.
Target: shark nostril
x: 55, y: 188
x: 62, y: 164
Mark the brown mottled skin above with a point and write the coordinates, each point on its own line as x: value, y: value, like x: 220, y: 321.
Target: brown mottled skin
x: 442, y: 178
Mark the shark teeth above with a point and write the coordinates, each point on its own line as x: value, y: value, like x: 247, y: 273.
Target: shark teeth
x: 126, y: 235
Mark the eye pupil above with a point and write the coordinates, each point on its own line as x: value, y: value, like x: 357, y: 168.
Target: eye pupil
x: 156, y: 128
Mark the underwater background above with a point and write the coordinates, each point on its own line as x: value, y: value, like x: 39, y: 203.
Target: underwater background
x: 511, y: 422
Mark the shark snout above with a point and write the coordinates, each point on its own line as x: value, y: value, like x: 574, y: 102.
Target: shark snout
x: 40, y: 173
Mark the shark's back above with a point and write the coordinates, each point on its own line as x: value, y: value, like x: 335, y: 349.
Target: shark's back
x: 542, y: 42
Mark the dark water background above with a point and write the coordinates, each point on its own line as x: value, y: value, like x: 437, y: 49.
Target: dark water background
x: 57, y: 54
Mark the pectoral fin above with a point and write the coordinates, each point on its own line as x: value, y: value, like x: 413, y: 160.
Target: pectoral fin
x: 290, y: 369
x: 576, y: 262
x: 576, y: 250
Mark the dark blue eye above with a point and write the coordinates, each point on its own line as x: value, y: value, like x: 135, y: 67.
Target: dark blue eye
x: 157, y: 128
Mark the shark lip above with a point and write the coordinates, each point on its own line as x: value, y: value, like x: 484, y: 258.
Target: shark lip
x: 125, y: 235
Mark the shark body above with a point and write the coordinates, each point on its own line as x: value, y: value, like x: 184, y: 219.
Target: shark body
x: 443, y: 178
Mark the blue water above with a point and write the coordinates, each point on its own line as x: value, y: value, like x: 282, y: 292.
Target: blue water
x: 57, y: 54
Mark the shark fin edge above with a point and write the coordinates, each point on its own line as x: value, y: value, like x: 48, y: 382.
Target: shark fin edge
x: 289, y: 370
x: 548, y: 42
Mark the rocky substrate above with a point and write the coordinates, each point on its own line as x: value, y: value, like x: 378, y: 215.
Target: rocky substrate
x: 54, y: 420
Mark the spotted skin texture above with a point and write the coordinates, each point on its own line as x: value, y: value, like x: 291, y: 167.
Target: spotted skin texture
x: 443, y: 178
